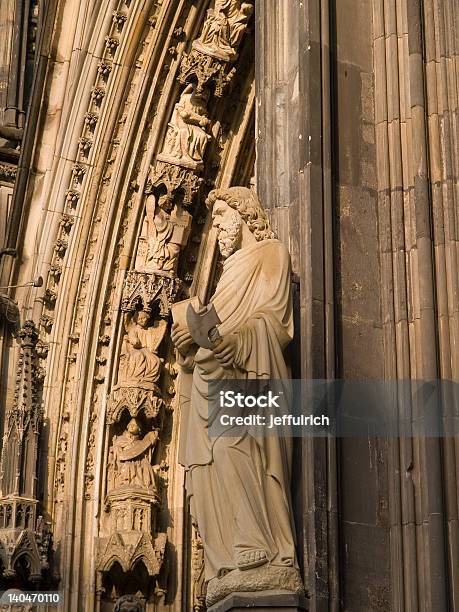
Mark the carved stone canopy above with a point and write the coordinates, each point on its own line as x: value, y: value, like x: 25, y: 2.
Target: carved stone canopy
x: 143, y: 291
x: 173, y: 178
x: 204, y: 69
x: 128, y: 548
x: 136, y: 401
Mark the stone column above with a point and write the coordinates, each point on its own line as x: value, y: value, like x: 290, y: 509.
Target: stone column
x: 417, y: 138
x: 294, y: 183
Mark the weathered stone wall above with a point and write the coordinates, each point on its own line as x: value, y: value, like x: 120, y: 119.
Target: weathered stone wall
x: 386, y: 126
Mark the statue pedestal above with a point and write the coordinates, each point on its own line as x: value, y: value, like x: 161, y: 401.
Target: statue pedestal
x: 264, y: 601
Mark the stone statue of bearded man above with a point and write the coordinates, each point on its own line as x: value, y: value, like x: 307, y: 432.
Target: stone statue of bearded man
x: 239, y: 487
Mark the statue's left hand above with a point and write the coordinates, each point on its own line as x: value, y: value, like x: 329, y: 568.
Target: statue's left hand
x: 225, y: 351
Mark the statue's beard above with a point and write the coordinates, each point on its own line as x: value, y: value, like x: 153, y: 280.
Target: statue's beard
x: 229, y: 236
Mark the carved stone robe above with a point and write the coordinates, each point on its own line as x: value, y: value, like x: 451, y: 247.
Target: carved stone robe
x: 239, y: 487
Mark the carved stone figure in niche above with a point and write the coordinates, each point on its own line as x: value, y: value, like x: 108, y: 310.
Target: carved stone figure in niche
x: 239, y: 486
x: 224, y: 28
x: 130, y: 459
x: 129, y: 603
x: 140, y: 366
x: 186, y: 137
x: 167, y: 233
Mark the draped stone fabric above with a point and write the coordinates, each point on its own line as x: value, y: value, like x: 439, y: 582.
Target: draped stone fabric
x: 239, y: 486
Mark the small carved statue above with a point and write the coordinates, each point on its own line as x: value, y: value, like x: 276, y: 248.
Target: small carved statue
x: 224, y: 28
x: 167, y: 233
x: 186, y: 137
x: 239, y: 484
x: 129, y: 603
x: 130, y: 459
x: 140, y: 365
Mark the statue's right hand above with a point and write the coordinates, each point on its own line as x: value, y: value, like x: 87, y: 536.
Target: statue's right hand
x: 181, y: 338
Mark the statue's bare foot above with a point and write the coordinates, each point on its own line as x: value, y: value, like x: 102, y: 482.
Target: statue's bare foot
x: 251, y: 558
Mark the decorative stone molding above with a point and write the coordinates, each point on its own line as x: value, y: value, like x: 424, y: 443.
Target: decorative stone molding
x: 42, y: 349
x: 140, y: 403
x: 61, y: 247
x: 104, y: 339
x: 119, y: 19
x: 46, y: 321
x: 67, y: 222
x: 90, y: 120
x: 84, y: 145
x: 23, y: 535
x: 50, y: 298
